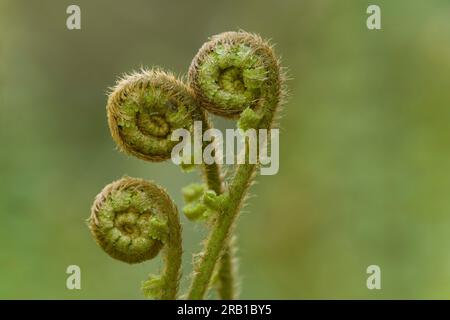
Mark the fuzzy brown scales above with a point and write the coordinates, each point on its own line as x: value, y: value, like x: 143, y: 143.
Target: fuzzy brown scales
x: 102, y: 226
x: 273, y: 82
x: 172, y: 107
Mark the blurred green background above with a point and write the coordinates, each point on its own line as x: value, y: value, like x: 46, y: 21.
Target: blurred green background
x: 364, y: 166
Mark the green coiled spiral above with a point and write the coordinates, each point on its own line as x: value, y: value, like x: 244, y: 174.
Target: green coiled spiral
x: 145, y: 108
x: 235, y: 71
x: 132, y: 220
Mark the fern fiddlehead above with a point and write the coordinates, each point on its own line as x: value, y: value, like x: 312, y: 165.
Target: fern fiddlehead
x: 235, y: 75
x: 143, y: 110
x: 132, y: 220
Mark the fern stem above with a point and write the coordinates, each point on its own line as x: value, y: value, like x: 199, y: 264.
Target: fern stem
x: 226, y: 282
x: 221, y: 230
x: 226, y: 270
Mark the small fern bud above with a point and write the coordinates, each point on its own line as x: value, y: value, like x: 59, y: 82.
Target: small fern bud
x: 249, y: 119
x: 235, y: 71
x: 192, y: 192
x: 145, y: 108
x: 194, y: 211
x: 132, y: 220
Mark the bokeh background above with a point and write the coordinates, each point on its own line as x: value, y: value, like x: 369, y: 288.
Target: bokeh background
x: 365, y: 158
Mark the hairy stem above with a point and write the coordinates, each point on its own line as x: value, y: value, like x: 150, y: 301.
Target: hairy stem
x: 221, y: 230
x: 226, y: 286
x: 226, y: 270
x: 172, y: 261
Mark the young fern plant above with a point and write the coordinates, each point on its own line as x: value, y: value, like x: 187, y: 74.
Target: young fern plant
x: 235, y: 75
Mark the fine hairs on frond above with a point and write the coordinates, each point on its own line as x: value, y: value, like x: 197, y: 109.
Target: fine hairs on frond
x: 144, y: 108
x: 132, y: 220
x: 255, y: 65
